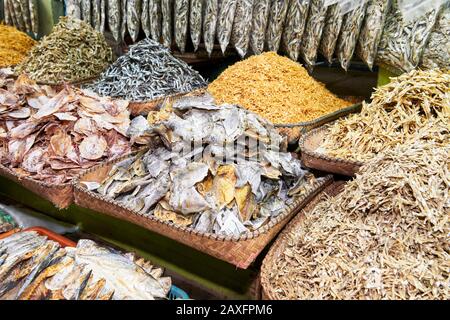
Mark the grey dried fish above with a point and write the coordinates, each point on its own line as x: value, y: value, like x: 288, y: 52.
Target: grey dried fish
x: 261, y: 11
x: 86, y: 11
x: 8, y: 18
x: 114, y: 12
x: 73, y: 8
x: 278, y: 11
x: 154, y: 7
x: 331, y: 31
x: 102, y: 15
x: 294, y: 27
x: 96, y: 14
x: 181, y: 21
x: 372, y: 29
x: 24, y: 7
x: 134, y: 18
x: 240, y: 35
x: 19, y: 15
x: 195, y: 21
x: 225, y: 22
x: 145, y: 18
x: 349, y: 34
x: 209, y: 24
x: 166, y: 14
x: 123, y: 26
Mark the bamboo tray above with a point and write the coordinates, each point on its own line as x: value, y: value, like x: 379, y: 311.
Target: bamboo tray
x: 61, y: 195
x: 312, y: 159
x: 240, y: 251
x: 267, y: 292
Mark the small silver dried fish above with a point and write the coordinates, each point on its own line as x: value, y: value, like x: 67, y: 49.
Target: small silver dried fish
x: 225, y: 22
x: 294, y: 27
x: 331, y: 31
x: 73, y: 8
x: 145, y: 18
x: 278, y: 11
x: 114, y: 13
x: 240, y: 36
x: 134, y: 18
x: 197, y: 8
x: 210, y: 24
x: 181, y: 21
x: 261, y: 11
x: 86, y: 11
x: 154, y: 7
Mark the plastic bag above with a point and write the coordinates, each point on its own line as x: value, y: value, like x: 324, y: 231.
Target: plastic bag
x: 294, y: 27
x: 402, y: 43
x: 73, y: 8
x: 209, y: 24
x: 34, y: 16
x: 154, y: 7
x: 371, y: 31
x: 313, y: 32
x: 102, y: 16
x: 351, y: 27
x: 437, y: 52
x: 96, y: 14
x: 331, y: 30
x: 123, y: 26
x: 86, y: 12
x: 145, y: 18
x: 225, y: 22
x: 181, y: 19
x: 195, y: 21
x: 134, y: 18
x: 240, y: 36
x: 114, y: 13
x: 277, y: 18
x: 19, y: 16
x: 8, y: 19
x: 26, y: 14
x: 166, y: 13
x: 261, y: 11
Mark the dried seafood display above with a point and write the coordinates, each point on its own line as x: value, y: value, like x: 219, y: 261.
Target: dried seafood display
x: 261, y: 11
x: 14, y: 46
x: 413, y: 107
x: 384, y: 237
x: 274, y: 30
x: 240, y: 37
x: 73, y: 51
x: 331, y: 30
x: 148, y: 71
x: 22, y: 14
x: 134, y: 18
x: 195, y: 21
x: 276, y: 88
x: 32, y: 267
x: 154, y: 7
x: 294, y: 27
x: 225, y: 20
x: 51, y: 135
x: 218, y: 169
x: 181, y: 21
x: 166, y: 18
x: 210, y: 24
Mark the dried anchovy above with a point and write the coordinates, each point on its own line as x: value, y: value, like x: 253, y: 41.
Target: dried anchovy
x: 294, y: 27
x: 15, y: 23
x: 73, y: 8
x: 7, y: 14
x: 73, y: 51
x: 240, y: 35
x: 123, y: 26
x: 195, y: 21
x: 437, y: 52
x: 154, y: 7
x: 24, y: 7
x: 225, y: 22
x: 96, y: 14
x: 34, y: 16
x: 348, y: 37
x: 145, y: 18
x: 277, y: 17
x: 166, y: 13
x: 371, y: 31
x: 148, y: 71
x: 102, y: 15
x: 331, y: 31
x: 209, y: 24
x: 313, y: 32
x: 402, y: 44
x: 261, y: 11
x: 86, y: 11
x: 19, y: 16
x: 134, y: 18
x: 181, y: 20
x: 114, y: 22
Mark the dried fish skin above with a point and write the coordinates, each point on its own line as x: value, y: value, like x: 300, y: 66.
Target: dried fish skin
x: 166, y: 16
x: 277, y: 17
x: 134, y: 18
x: 331, y: 31
x: 209, y: 24
x: 154, y: 7
x: 261, y: 11
x: 181, y: 21
x: 197, y: 8
x: 294, y: 27
x: 225, y: 22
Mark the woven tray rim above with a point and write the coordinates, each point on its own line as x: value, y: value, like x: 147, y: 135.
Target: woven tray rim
x: 291, y: 209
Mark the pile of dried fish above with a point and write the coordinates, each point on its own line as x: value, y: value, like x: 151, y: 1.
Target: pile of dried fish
x: 294, y: 27
x: 437, y: 52
x: 413, y: 107
x: 14, y: 46
x: 51, y: 135
x: 276, y: 88
x: 23, y: 14
x: 148, y: 71
x: 218, y: 169
x: 35, y: 268
x: 384, y: 237
x: 73, y: 51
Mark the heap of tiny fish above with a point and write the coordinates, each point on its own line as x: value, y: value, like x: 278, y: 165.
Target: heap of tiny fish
x: 73, y: 51
x: 22, y: 14
x: 384, y: 237
x: 218, y: 169
x: 148, y: 71
x: 414, y: 106
x: 51, y: 135
x: 35, y: 268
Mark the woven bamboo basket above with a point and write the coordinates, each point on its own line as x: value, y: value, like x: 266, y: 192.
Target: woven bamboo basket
x: 312, y: 159
x: 240, y: 251
x: 267, y: 290
x: 61, y: 195
x: 295, y: 131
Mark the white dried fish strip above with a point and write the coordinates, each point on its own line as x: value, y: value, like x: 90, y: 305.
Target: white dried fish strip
x: 294, y: 27
x: 114, y: 13
x: 437, y: 52
x: 261, y: 11
x: 209, y: 24
x: 240, y: 36
x: 225, y: 22
x: 195, y: 21
x: 154, y: 7
x: 166, y: 13
x: 181, y: 20
x: 277, y: 17
x: 331, y: 31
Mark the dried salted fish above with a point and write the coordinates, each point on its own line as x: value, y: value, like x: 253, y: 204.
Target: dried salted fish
x: 86, y: 11
x: 18, y: 15
x: 145, y: 18
x: 73, y: 8
x: 261, y: 11
x: 148, y: 71
x: 154, y: 7
x: 384, y: 237
x: 24, y: 7
x: 134, y: 18
x: 278, y: 11
x: 371, y: 30
x: 294, y: 27
x: 225, y: 22
x: 210, y: 24
x: 240, y: 36
x: 195, y: 21
x: 413, y: 107
x: 331, y: 31
x: 181, y: 21
x: 34, y: 16
x: 166, y: 16
x: 114, y: 15
x: 96, y: 14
